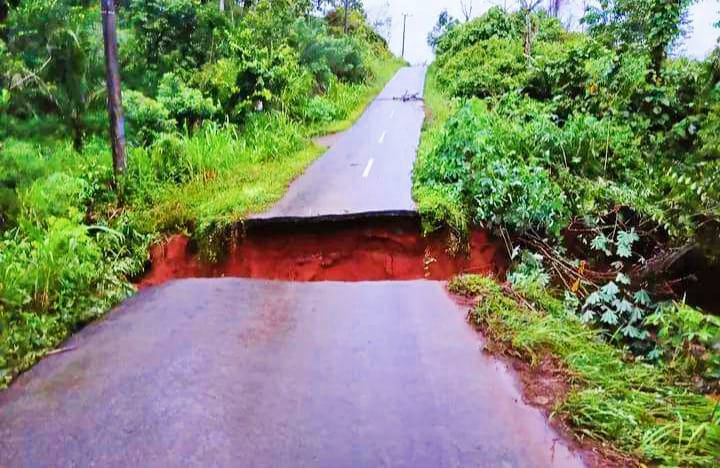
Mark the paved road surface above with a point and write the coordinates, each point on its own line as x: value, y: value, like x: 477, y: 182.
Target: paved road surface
x: 247, y: 373
x: 369, y: 168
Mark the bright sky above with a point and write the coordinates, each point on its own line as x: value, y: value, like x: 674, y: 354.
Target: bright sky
x: 424, y: 13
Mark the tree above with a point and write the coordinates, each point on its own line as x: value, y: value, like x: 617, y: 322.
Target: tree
x: 651, y: 25
x: 112, y: 78
x: 381, y: 21
x: 466, y: 6
x: 554, y: 7
x: 527, y: 7
x: 5, y: 6
x: 57, y: 46
x: 445, y: 23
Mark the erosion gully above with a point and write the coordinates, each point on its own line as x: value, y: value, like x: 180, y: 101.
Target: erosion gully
x: 377, y: 248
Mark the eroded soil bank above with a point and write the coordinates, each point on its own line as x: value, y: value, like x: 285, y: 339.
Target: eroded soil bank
x: 373, y: 249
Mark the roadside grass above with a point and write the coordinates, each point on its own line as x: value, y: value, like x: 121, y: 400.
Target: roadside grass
x: 635, y: 407
x: 232, y: 176
x: 354, y: 101
x: 436, y: 206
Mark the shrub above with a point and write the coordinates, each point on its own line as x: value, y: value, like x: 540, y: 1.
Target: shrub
x: 483, y: 159
x: 146, y: 118
x: 186, y: 104
x: 488, y: 68
x: 319, y: 109
x: 58, y: 195
x: 325, y: 55
x: 495, y: 23
x: 171, y: 35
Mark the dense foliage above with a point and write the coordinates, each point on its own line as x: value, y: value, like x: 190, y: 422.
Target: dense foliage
x: 588, y: 113
x: 594, y: 156
x: 220, y: 107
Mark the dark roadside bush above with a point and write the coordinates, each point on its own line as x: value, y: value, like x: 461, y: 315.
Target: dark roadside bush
x: 146, y: 118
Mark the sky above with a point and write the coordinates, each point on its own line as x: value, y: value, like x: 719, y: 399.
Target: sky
x: 700, y: 41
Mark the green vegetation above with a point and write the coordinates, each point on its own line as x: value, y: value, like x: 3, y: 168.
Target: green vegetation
x: 638, y: 408
x: 220, y: 106
x: 593, y: 157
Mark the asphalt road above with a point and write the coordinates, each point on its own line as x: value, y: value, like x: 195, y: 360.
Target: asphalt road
x: 368, y: 169
x: 231, y: 372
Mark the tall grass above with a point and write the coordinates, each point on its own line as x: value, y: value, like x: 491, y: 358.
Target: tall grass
x: 636, y: 407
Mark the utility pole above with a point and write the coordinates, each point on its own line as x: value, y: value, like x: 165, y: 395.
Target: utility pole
x: 347, y: 2
x: 112, y: 78
x: 405, y: 17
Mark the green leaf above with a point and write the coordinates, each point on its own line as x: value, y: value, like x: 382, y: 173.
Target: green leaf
x: 642, y: 297
x: 609, y: 291
x: 625, y: 241
x: 600, y: 243
x: 622, y: 278
x: 609, y: 317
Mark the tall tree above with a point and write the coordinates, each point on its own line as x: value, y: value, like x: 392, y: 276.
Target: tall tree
x: 56, y: 44
x: 466, y: 7
x: 445, y: 22
x: 527, y: 7
x: 650, y: 25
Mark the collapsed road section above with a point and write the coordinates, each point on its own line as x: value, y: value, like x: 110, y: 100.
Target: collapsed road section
x: 359, y: 249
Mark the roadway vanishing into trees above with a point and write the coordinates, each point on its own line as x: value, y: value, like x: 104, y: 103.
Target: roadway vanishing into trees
x: 256, y: 373
x: 368, y: 170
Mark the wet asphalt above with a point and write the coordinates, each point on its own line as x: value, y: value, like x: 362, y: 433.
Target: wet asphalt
x: 247, y: 373
x: 254, y: 373
x: 368, y: 169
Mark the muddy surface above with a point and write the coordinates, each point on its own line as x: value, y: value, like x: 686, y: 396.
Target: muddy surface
x: 354, y: 250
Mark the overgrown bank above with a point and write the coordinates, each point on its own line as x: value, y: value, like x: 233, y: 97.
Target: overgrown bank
x: 594, y: 157
x: 635, y: 407
x: 221, y: 107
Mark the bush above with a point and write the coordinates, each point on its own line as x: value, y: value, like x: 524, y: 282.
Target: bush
x: 483, y: 159
x: 488, y: 68
x: 326, y: 56
x: 319, y: 109
x: 171, y: 35
x: 186, y: 104
x: 146, y: 118
x: 495, y: 23
x: 59, y: 195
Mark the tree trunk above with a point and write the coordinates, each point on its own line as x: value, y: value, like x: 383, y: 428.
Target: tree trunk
x: 78, y: 133
x: 112, y: 75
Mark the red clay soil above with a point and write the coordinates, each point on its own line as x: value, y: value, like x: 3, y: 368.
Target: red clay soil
x: 329, y: 252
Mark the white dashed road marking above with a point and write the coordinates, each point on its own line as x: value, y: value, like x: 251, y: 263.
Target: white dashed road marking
x: 367, y: 168
x: 382, y: 138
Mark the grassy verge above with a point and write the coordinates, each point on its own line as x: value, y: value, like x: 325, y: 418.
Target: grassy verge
x: 636, y: 407
x: 383, y: 71
x: 254, y: 175
x: 435, y: 204
x: 74, y: 243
